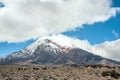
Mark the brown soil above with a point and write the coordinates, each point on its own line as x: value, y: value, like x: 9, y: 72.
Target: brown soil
x: 24, y: 72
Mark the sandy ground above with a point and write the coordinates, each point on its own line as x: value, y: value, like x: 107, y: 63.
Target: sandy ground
x: 24, y: 72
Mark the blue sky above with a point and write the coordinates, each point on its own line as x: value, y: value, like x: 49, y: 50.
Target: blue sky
x: 98, y: 32
x: 95, y: 33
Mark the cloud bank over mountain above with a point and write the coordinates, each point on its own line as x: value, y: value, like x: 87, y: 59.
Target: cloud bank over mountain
x: 21, y: 20
x: 108, y: 49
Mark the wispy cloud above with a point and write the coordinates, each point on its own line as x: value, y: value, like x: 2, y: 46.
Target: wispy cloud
x: 25, y: 19
x: 115, y: 33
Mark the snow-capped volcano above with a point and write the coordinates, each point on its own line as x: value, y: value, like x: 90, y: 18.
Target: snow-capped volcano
x: 58, y: 41
x: 56, y: 49
x: 55, y: 42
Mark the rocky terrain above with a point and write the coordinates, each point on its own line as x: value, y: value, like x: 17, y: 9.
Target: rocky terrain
x: 73, y: 72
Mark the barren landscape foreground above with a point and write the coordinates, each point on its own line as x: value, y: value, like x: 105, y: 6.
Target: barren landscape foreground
x: 74, y: 72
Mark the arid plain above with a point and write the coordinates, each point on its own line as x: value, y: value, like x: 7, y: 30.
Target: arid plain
x: 73, y: 72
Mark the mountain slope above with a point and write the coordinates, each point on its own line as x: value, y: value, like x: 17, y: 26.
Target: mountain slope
x: 47, y: 51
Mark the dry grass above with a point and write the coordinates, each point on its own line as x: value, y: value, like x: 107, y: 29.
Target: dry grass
x: 17, y: 72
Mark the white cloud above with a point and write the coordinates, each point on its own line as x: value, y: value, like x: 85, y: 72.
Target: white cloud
x: 108, y: 49
x: 25, y: 19
x: 115, y: 33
